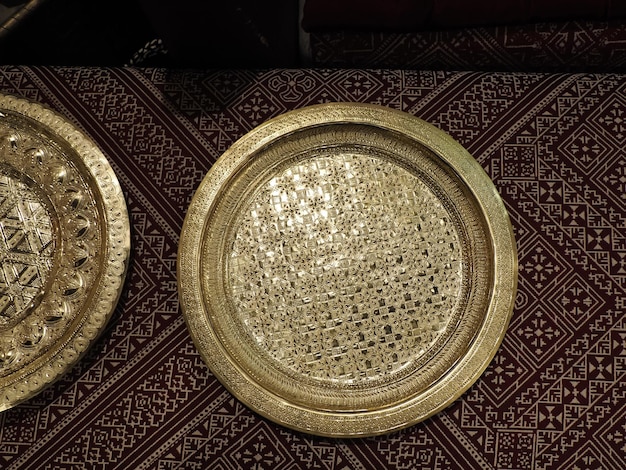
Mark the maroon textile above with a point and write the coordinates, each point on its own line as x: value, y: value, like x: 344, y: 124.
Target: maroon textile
x: 571, y: 46
x: 414, y: 15
x: 554, y: 396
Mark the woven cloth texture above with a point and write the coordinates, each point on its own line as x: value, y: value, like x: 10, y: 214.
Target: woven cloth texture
x: 558, y: 46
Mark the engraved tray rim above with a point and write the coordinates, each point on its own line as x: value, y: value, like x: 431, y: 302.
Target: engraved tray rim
x: 81, y: 333
x: 338, y: 423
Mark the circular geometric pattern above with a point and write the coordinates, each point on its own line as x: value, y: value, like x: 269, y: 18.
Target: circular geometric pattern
x: 347, y: 270
x: 64, y: 246
x: 344, y: 293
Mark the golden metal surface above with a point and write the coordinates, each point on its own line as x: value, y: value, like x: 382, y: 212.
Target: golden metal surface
x: 64, y: 247
x: 347, y: 270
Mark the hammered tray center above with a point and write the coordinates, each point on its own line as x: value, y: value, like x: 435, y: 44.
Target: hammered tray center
x: 345, y: 268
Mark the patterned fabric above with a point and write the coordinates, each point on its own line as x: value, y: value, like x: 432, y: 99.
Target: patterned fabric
x: 554, y: 396
x: 574, y: 46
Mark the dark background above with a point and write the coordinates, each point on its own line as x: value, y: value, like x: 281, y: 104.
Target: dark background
x: 238, y: 33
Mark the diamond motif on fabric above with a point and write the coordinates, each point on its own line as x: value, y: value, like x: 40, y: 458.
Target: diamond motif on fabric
x: 257, y: 106
x: 585, y: 147
x: 357, y: 85
x: 226, y: 85
x: 542, y: 334
x: 541, y: 265
x: 259, y: 450
x: 614, y: 436
x: 614, y: 179
x: 611, y: 119
x: 505, y: 373
x: 570, y: 42
x: 577, y: 299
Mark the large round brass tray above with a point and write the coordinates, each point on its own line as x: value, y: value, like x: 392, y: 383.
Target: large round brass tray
x: 64, y: 246
x: 347, y: 270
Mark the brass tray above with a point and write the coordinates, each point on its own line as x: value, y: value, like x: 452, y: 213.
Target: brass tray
x: 64, y: 246
x: 347, y: 270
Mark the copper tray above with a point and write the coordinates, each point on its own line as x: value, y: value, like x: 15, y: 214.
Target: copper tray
x: 64, y: 246
x: 347, y: 270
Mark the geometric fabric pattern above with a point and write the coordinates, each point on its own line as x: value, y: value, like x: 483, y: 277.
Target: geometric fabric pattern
x: 566, y: 46
x: 554, y: 396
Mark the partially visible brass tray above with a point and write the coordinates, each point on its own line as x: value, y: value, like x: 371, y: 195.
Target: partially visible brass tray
x: 347, y: 270
x: 64, y: 246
